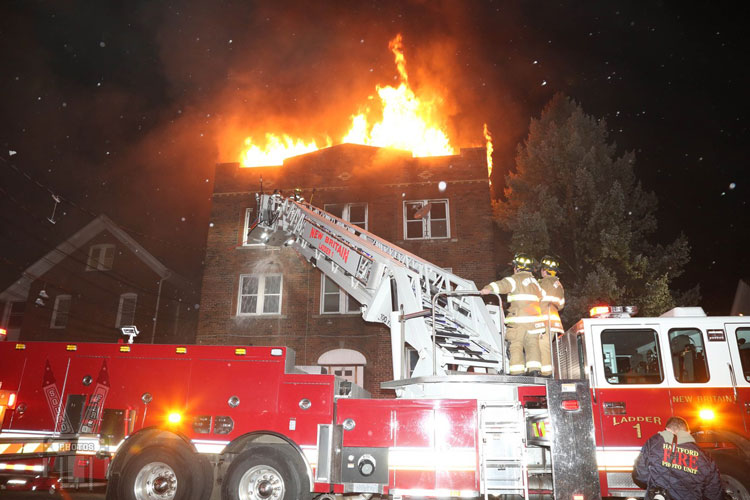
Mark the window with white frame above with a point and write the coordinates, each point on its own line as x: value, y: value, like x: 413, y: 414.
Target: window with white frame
x: 126, y: 310
x: 61, y: 311
x: 100, y: 257
x: 333, y: 300
x: 356, y: 213
x: 249, y: 218
x: 259, y: 294
x: 426, y: 219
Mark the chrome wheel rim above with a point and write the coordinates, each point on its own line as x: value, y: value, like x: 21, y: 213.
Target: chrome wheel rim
x: 735, y: 489
x: 261, y: 482
x: 155, y: 481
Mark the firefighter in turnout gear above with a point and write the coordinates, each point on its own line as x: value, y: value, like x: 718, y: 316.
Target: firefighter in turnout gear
x: 672, y: 466
x: 524, y: 319
x: 552, y: 301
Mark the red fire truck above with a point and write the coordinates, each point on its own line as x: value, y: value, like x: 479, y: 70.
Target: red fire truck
x: 236, y: 422
x: 643, y: 370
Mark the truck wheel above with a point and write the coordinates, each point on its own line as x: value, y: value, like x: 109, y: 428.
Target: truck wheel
x: 158, y: 474
x: 265, y: 473
x: 734, y: 480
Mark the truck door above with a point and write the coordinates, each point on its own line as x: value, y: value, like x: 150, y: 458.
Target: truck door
x: 738, y: 338
x: 631, y: 394
x: 703, y: 376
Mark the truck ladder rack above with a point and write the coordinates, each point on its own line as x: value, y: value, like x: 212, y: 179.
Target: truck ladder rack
x: 437, y: 313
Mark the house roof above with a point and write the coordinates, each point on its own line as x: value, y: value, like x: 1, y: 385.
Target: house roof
x: 19, y: 290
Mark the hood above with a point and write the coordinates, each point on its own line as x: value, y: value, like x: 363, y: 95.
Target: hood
x: 682, y: 437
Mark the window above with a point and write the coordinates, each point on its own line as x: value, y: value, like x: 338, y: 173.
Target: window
x: 126, y: 310
x: 15, y: 319
x: 100, y: 258
x: 333, y: 300
x: 743, y: 343
x: 356, y: 213
x: 632, y: 357
x: 688, y: 355
x: 61, y: 311
x: 246, y: 242
x: 259, y: 294
x: 426, y: 219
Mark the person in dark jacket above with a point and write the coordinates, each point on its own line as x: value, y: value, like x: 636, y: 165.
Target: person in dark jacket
x: 672, y: 465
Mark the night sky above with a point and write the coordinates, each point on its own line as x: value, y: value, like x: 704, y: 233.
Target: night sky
x: 124, y: 108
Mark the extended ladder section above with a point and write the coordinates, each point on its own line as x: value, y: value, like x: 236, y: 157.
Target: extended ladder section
x: 440, y: 315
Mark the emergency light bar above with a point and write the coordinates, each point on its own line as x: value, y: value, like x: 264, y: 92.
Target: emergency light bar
x: 3, y: 334
x: 613, y: 311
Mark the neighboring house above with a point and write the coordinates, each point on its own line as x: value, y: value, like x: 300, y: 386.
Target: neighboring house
x: 252, y: 295
x: 93, y: 283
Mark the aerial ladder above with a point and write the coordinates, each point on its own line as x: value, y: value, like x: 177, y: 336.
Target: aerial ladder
x: 440, y: 315
x: 460, y: 343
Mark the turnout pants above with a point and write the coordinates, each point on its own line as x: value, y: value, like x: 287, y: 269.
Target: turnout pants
x: 521, y: 339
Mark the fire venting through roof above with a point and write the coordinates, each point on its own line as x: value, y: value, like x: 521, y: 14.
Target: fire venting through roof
x: 397, y: 117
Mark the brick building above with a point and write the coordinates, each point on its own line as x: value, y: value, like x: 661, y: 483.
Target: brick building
x: 260, y: 296
x: 93, y: 283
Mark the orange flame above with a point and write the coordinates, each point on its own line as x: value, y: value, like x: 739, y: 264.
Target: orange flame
x: 276, y: 150
x: 408, y: 122
x: 488, y: 139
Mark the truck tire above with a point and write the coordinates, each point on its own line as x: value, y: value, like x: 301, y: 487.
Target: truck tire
x: 734, y: 480
x: 160, y: 474
x: 265, y: 473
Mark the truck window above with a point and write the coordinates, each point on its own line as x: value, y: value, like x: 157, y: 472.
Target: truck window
x: 743, y: 343
x: 632, y: 356
x: 688, y: 355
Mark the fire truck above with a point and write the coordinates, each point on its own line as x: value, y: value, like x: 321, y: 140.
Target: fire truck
x: 644, y: 370
x: 176, y: 422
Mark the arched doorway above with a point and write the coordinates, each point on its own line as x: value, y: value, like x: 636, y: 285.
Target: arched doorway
x: 345, y: 363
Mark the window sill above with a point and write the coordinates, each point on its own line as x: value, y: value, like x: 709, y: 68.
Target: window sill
x: 336, y: 315
x: 256, y: 247
x: 261, y: 316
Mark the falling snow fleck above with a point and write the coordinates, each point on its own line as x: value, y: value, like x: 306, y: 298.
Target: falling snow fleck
x: 732, y: 185
x: 182, y: 219
x: 544, y: 82
x: 102, y: 44
x: 11, y: 152
x: 441, y: 186
x: 210, y: 224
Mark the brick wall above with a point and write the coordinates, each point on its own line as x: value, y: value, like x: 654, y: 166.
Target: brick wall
x: 382, y: 178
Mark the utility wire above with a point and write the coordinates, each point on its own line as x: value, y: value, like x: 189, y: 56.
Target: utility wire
x: 86, y: 211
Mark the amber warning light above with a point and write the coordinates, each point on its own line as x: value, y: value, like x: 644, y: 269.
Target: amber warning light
x: 3, y: 334
x: 8, y: 399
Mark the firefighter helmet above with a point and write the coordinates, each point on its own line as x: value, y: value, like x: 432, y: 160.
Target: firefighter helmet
x: 550, y: 264
x: 523, y: 262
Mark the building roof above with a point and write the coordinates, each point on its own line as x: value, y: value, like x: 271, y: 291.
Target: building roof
x: 19, y: 290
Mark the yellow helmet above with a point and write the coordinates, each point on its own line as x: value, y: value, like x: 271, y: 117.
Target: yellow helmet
x: 523, y: 261
x: 550, y: 264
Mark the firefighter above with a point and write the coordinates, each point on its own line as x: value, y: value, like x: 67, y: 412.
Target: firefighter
x: 672, y: 466
x: 524, y: 319
x: 552, y: 301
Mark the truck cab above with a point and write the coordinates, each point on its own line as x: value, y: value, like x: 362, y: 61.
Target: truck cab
x: 644, y: 370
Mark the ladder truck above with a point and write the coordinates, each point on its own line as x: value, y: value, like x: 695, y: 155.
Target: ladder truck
x: 237, y: 422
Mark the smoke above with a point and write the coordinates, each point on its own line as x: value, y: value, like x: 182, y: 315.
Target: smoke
x: 126, y: 109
